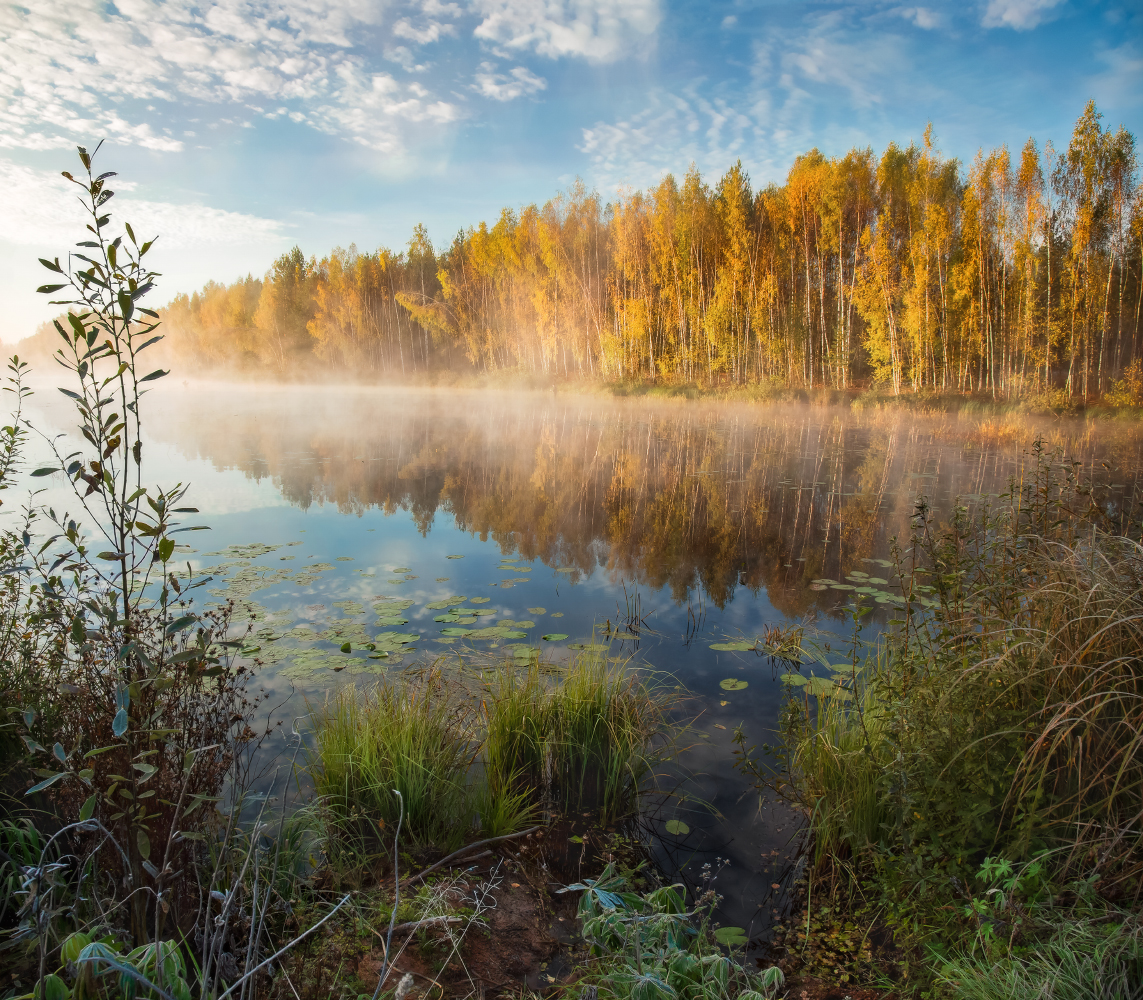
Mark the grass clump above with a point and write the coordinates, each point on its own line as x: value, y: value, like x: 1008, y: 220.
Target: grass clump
x: 415, y: 738
x: 586, y: 742
x: 1000, y: 718
x: 581, y: 739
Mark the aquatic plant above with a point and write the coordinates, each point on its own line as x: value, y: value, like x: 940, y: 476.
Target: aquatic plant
x: 1002, y: 716
x: 413, y: 736
x: 587, y: 741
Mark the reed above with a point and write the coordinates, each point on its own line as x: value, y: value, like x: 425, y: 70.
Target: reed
x: 586, y: 742
x: 1001, y: 716
x: 415, y: 737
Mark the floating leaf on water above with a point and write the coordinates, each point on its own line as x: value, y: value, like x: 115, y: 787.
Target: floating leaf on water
x: 677, y: 828
x: 866, y: 590
x: 392, y: 621
x: 458, y: 632
x: 454, y: 557
x: 731, y: 937
x: 484, y: 612
x: 481, y: 600
x: 590, y: 646
x: 445, y: 618
x: 557, y: 614
x: 733, y: 684
x: 878, y: 580
x: 442, y: 579
x: 400, y: 569
x: 856, y: 575
x: 395, y: 580
x: 396, y: 638
x: 508, y: 623
x: 825, y: 687
x: 554, y: 636
x: 818, y: 586
x: 565, y: 569
x: 741, y: 646
x: 537, y: 611
x: 827, y: 582
x: 795, y: 680
x: 466, y: 621
x: 345, y: 558
x: 842, y: 586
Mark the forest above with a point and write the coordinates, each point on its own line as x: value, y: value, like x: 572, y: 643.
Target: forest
x: 1014, y: 275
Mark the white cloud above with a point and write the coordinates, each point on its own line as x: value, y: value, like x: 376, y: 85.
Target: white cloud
x: 672, y: 131
x: 597, y: 30
x: 82, y: 68
x: 500, y: 87
x: 923, y: 17
x: 1023, y: 15
x: 42, y: 210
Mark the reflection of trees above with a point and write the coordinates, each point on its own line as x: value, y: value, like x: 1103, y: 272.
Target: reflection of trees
x: 672, y: 496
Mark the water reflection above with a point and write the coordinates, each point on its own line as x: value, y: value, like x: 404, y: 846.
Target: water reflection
x: 692, y: 498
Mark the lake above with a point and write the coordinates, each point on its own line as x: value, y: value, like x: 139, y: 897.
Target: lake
x: 662, y: 529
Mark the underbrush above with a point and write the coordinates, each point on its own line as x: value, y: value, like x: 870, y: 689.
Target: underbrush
x: 976, y: 783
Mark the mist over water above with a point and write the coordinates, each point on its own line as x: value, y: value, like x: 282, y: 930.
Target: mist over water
x: 342, y: 515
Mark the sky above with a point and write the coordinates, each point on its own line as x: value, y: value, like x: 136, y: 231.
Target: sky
x: 240, y: 128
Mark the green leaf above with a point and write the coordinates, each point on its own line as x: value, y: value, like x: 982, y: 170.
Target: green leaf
x: 731, y: 937
x: 87, y: 810
x: 144, y: 843
x: 180, y: 623
x: 677, y: 828
x: 119, y: 724
x: 51, y: 987
x: 165, y: 549
x: 73, y: 944
x: 48, y: 289
x: 346, y: 647
x: 733, y: 684
x: 45, y: 472
x: 158, y: 373
x: 45, y: 783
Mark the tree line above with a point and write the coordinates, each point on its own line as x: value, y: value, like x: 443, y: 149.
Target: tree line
x: 1016, y: 273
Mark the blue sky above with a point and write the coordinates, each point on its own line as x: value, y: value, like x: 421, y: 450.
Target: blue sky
x: 241, y: 127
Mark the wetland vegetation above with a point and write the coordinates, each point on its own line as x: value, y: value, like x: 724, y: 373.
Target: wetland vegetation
x: 964, y: 749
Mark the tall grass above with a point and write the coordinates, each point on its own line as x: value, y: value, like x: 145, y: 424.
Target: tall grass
x: 1002, y: 715
x: 413, y: 737
x: 587, y: 742
x: 584, y: 738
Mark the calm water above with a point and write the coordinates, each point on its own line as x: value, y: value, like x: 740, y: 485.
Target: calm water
x: 342, y: 515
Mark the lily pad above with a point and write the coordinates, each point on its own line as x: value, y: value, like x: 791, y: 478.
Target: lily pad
x: 842, y: 586
x: 591, y: 646
x: 733, y: 684
x: 818, y: 586
x: 554, y: 636
x: 392, y: 621
x: 731, y: 937
x: 400, y: 569
x: 677, y: 828
x: 454, y: 557
x: 481, y: 600
x: 444, y: 602
x: 458, y: 632
x: 557, y: 614
x: 740, y: 646
x: 537, y: 611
